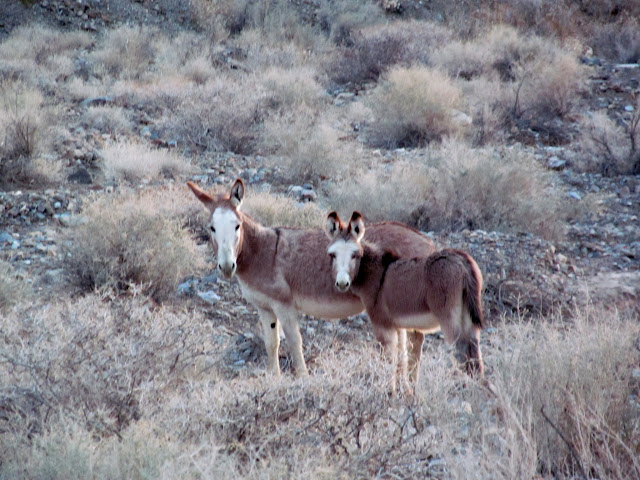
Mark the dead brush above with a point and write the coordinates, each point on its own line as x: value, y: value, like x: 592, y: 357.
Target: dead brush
x: 126, y: 242
x: 612, y: 146
x: 413, y: 107
x: 90, y: 361
x: 12, y: 288
x: 563, y: 400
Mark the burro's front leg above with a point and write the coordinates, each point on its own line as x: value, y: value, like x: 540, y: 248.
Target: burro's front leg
x: 269, y: 323
x: 289, y: 318
x: 389, y: 339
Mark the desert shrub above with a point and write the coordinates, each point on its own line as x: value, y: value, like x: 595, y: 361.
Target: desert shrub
x: 130, y: 244
x: 124, y: 52
x: 21, y: 125
x: 373, y: 51
x: 224, y: 115
x: 618, y: 42
x: 41, y: 55
x: 307, y: 148
x: 558, y: 414
x: 90, y: 362
x: 413, y: 107
x: 549, y: 87
x: 277, y: 210
x: 489, y: 189
x: 107, y: 119
x: 12, y: 288
x: 288, y: 89
x: 389, y: 195
x: 610, y: 148
x: 136, y: 161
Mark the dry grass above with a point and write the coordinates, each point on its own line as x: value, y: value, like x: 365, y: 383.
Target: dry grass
x: 119, y: 389
x: 107, y: 119
x: 413, y: 107
x: 135, y: 161
x: 618, y: 42
x: 130, y: 244
x: 456, y: 187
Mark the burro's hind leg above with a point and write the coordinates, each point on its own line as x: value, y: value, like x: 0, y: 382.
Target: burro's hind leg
x: 459, y: 330
x: 414, y: 345
x: 269, y: 323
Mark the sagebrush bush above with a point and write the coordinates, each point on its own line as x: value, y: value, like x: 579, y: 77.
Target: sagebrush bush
x: 413, y: 107
x: 107, y: 119
x: 277, y: 210
x: 307, y: 148
x: 89, y: 362
x: 222, y: 115
x: 389, y: 195
x: 618, y: 42
x: 488, y: 189
x: 136, y: 161
x: 40, y: 55
x: 124, y: 52
x: 22, y: 121
x: 558, y: 413
x: 372, y: 51
x: 609, y: 147
x: 128, y: 244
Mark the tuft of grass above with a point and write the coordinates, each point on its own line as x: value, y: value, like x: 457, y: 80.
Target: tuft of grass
x: 413, y: 107
x: 107, y: 119
x: 129, y: 244
x: 134, y: 162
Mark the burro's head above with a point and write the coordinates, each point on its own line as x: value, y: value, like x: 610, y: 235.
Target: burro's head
x: 225, y: 224
x: 345, y: 248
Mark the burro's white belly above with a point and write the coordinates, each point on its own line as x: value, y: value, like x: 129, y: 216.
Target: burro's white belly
x: 334, y: 308
x: 424, y: 322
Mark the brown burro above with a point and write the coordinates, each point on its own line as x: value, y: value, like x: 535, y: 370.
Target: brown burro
x: 441, y: 291
x: 284, y: 271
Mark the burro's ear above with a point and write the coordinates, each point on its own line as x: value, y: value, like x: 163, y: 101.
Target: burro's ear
x: 356, y: 226
x: 332, y: 227
x: 203, y: 196
x: 237, y: 193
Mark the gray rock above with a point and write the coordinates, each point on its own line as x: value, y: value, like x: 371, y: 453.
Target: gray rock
x: 5, y: 237
x: 209, y: 296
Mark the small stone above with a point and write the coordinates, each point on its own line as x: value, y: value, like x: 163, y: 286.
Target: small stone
x: 556, y: 163
x: 5, y: 237
x: 628, y: 108
x: 574, y: 194
x: 209, y: 296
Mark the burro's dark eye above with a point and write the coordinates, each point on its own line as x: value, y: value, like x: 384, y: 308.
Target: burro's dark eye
x: 332, y: 256
x: 238, y: 227
x: 213, y: 229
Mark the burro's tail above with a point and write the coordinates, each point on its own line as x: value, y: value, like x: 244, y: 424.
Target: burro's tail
x: 472, y: 290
